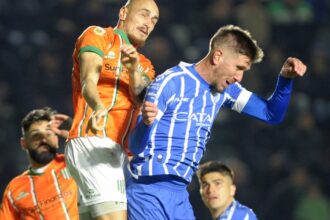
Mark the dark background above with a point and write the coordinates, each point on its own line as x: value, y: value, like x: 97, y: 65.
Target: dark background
x: 282, y: 171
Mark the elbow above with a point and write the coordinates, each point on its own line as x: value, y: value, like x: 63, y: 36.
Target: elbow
x: 275, y: 120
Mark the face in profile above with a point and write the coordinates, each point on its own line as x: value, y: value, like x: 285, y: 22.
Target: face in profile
x: 230, y: 68
x: 40, y: 142
x: 139, y: 20
x: 217, y: 190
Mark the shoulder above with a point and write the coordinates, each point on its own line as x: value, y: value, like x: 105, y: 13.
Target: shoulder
x: 18, y: 181
x: 171, y: 74
x: 96, y: 33
x: 244, y: 210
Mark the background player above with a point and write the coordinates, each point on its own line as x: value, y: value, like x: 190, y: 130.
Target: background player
x: 46, y: 190
x: 108, y: 77
x: 217, y: 189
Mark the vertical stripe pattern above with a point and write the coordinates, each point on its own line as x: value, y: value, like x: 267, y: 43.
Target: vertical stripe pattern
x: 179, y: 134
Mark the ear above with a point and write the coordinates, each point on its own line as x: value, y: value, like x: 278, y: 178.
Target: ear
x: 123, y: 13
x: 217, y: 56
x: 23, y: 143
x: 232, y: 190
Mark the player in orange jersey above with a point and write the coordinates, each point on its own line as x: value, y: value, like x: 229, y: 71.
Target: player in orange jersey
x: 108, y: 77
x: 46, y: 190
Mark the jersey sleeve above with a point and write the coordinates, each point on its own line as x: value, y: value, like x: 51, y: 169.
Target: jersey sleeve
x: 92, y: 40
x: 159, y: 92
x: 8, y: 210
x: 270, y: 110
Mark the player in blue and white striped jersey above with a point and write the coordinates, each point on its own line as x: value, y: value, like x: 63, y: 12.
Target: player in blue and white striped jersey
x: 177, y: 115
x: 217, y: 189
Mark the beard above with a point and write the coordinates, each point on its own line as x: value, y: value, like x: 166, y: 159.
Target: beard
x: 43, y: 157
x: 135, y: 41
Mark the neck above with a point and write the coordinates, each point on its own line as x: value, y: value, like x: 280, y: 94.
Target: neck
x: 216, y: 213
x: 204, y: 68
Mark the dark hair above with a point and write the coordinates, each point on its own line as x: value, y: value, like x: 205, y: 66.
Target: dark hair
x: 214, y: 166
x: 44, y: 114
x: 240, y: 39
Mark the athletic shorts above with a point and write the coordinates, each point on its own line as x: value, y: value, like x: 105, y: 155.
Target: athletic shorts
x: 159, y: 200
x: 97, y: 166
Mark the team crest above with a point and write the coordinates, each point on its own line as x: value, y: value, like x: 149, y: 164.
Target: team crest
x: 99, y: 31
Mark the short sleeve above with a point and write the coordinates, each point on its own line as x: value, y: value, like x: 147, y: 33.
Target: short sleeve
x: 93, y: 39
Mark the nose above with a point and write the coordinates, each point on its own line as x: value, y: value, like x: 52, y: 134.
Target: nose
x: 239, y: 76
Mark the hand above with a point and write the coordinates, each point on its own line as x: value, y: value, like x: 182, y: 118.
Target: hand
x: 56, y: 122
x: 96, y: 122
x: 293, y: 67
x: 149, y: 112
x: 129, y: 57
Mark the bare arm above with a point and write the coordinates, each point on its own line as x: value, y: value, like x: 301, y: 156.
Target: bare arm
x: 137, y: 82
x: 90, y: 68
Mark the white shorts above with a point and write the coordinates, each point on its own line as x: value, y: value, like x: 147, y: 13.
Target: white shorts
x: 97, y: 166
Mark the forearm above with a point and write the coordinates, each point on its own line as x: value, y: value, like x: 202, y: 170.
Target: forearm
x: 138, y: 138
x: 274, y: 108
x: 137, y: 82
x: 91, y: 95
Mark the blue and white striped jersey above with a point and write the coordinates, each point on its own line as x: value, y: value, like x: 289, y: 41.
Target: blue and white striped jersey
x: 237, y: 211
x: 187, y: 107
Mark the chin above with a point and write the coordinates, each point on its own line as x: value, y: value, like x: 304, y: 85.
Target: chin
x: 137, y: 41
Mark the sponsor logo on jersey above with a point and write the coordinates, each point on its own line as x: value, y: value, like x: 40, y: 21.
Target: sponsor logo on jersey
x: 92, y: 193
x: 111, y: 55
x: 201, y: 119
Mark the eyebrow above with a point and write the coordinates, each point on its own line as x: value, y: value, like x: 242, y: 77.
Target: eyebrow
x: 147, y: 10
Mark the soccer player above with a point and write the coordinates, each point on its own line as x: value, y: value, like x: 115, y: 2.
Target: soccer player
x: 107, y: 80
x: 217, y: 189
x: 46, y: 190
x: 177, y: 115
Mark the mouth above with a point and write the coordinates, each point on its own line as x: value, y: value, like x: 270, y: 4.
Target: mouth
x: 144, y: 31
x: 212, y: 198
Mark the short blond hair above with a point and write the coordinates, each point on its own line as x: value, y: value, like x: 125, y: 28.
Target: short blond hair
x: 238, y: 38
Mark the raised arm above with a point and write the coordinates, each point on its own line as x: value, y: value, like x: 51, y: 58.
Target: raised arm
x: 137, y: 79
x: 273, y: 109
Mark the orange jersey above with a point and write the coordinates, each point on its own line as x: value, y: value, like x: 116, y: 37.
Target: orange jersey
x: 51, y: 194
x: 113, y: 84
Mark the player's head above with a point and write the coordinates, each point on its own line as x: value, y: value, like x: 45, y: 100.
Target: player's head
x: 38, y: 139
x: 216, y: 185
x: 137, y: 18
x: 232, y: 51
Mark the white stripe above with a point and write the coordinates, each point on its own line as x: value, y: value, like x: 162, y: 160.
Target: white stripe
x: 11, y: 199
x: 172, y: 124
x: 34, y: 198
x: 152, y: 138
x: 246, y: 217
x: 115, y: 88
x: 185, y: 145
x: 82, y: 120
x: 231, y: 211
x: 58, y: 189
x: 164, y: 83
x: 198, y: 136
x: 241, y: 101
x: 127, y: 128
